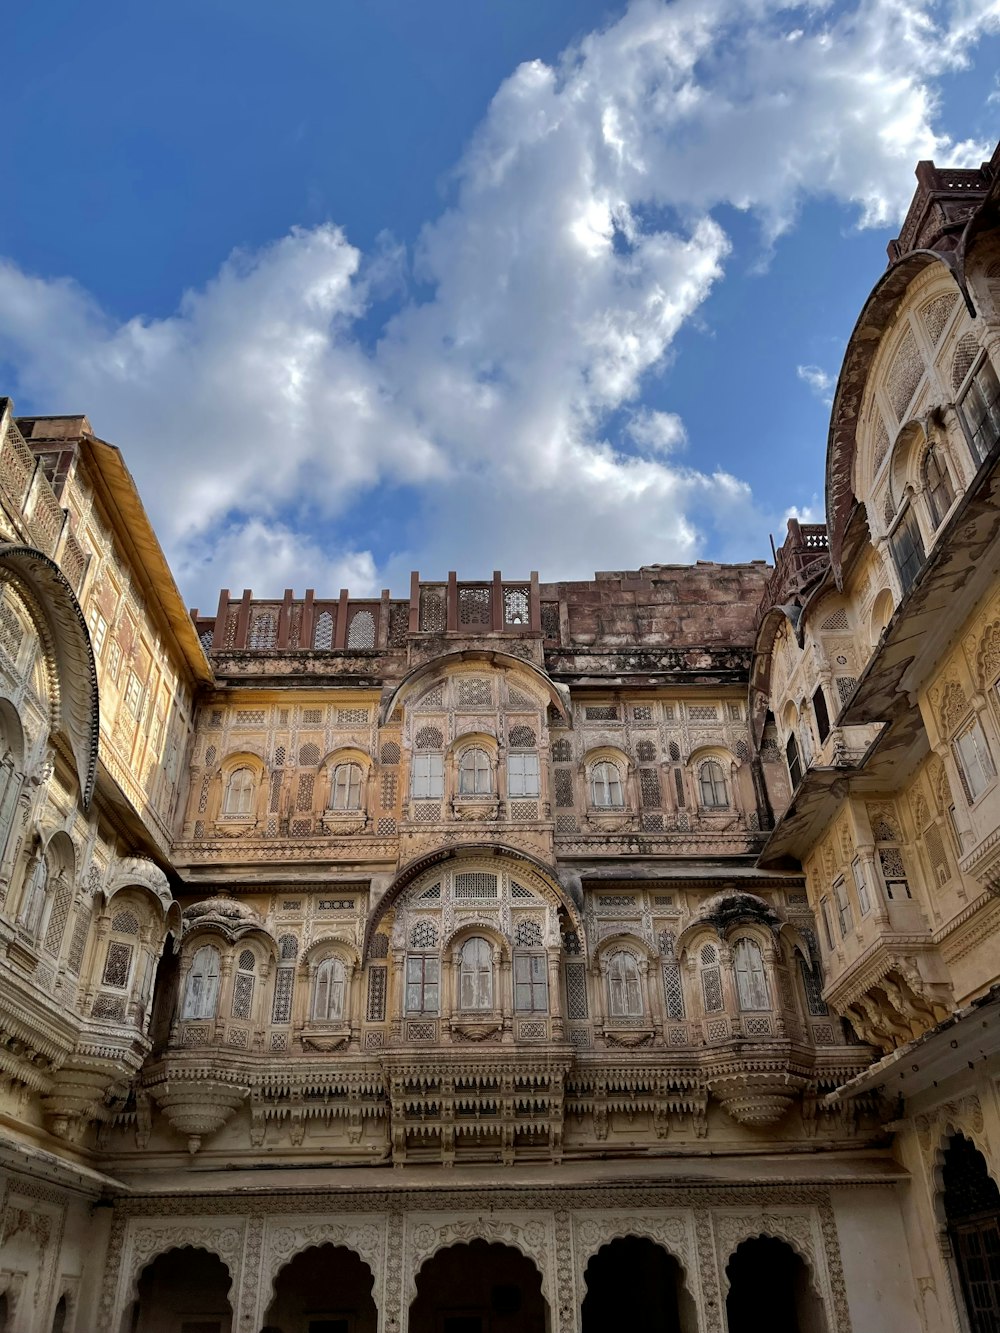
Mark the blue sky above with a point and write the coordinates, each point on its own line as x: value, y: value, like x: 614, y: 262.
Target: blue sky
x: 365, y: 287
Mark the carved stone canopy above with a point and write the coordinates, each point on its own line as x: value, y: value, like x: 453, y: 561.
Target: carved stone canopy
x: 730, y: 909
x: 229, y: 914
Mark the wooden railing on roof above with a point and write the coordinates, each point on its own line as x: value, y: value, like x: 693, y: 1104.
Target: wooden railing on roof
x: 801, y: 559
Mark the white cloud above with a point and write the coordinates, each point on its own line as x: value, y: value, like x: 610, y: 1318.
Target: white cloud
x: 578, y: 241
x: 820, y: 381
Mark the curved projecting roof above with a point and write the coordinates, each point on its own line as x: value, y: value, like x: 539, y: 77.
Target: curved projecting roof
x: 865, y: 341
x: 558, y: 694
x: 67, y: 649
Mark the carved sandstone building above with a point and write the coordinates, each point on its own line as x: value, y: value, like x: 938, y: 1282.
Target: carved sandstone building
x: 515, y: 955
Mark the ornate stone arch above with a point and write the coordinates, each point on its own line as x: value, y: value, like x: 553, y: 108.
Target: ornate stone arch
x: 327, y: 945
x: 488, y: 930
x: 140, y: 872
x: 674, y: 1233
x: 762, y: 668
x: 529, y: 1236
x: 800, y: 1231
x: 149, y: 1241
x: 521, y: 864
x: 284, y: 1242
x: 395, y: 697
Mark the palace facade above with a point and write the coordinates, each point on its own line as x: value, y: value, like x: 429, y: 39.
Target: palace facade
x: 521, y: 957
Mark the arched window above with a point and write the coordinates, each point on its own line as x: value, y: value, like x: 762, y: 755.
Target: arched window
x: 624, y: 990
x: 712, y: 785
x: 345, y: 789
x: 239, y: 793
x: 29, y: 918
x: 606, y: 791
x: 474, y: 775
x: 361, y: 632
x: 476, y: 975
x: 201, y: 997
x: 11, y: 776
x: 243, y: 989
x: 937, y: 485
x: 751, y: 978
x: 711, y: 979
x: 118, y: 960
x: 329, y: 991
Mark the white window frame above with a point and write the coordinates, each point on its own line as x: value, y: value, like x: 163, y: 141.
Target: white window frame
x: 861, y: 885
x: 523, y: 774
x: 345, y: 786
x: 423, y: 976
x: 329, y: 991
x: 845, y: 912
x: 475, y: 976
x: 238, y: 801
x: 531, y: 983
x: 605, y: 784
x: 475, y: 772
x: 202, y: 1000
x: 427, y: 776
x: 624, y: 986
x: 975, y: 762
x: 714, y: 784
x: 752, y: 990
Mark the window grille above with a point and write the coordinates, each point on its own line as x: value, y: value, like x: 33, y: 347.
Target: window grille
x: 380, y: 945
x: 601, y: 713
x: 711, y: 985
x: 645, y: 752
x: 562, y: 751
x: 742, y: 751
x: 125, y: 923
x: 312, y: 717
x: 309, y: 755
x: 936, y: 313
x: 375, y: 1012
x: 519, y: 891
x: 702, y: 713
x: 389, y: 754
x: 679, y: 787
x: 323, y: 632
x: 274, y: 799
x: 894, y: 872
x: 674, y: 750
x: 280, y: 755
x: 243, y: 995
x: 936, y: 854
x: 642, y: 713
x: 361, y: 630
x: 263, y: 631
x: 812, y: 982
x: 822, y: 714
x: 304, y: 797
x: 522, y: 738
x: 78, y: 942
x: 673, y: 986
x: 117, y: 965
x: 433, y: 894
x: 475, y: 692
x: 846, y: 685
x: 550, y: 620
x: 352, y: 717
x: 475, y: 884
x: 388, y: 790
x: 399, y: 624
x: 288, y: 947
x: 905, y: 373
x: 284, y: 983
x: 429, y: 738
x: 57, y: 917
x: 433, y: 615
x: 515, y: 606
x: 528, y: 935
x: 794, y: 765
x: 250, y: 717
x: 424, y: 935
x: 649, y: 787
x: 474, y: 605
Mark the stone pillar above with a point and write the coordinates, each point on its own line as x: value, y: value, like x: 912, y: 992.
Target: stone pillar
x: 558, y: 1027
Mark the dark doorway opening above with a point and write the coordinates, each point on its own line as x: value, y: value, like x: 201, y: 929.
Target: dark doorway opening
x: 634, y: 1283
x: 325, y: 1289
x: 183, y: 1289
x: 770, y: 1290
x: 972, y: 1207
x: 479, y: 1288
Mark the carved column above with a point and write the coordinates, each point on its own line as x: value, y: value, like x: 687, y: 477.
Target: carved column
x: 555, y: 995
x: 502, y: 965
x: 249, y: 1298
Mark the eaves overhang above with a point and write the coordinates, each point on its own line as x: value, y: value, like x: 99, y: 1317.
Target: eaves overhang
x: 963, y: 1040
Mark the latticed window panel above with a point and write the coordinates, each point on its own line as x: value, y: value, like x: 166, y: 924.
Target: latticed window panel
x: 518, y: 891
x: 304, y: 797
x: 905, y: 373
x: 352, y: 717
x: 702, y: 713
x: 550, y: 620
x: 243, y: 995
x: 78, y: 943
x: 389, y: 753
x: 361, y: 631
x: 433, y: 613
x: 388, y: 791
x: 711, y: 987
x: 601, y: 713
x: 475, y: 692
x: 562, y: 751
x: 474, y: 605
x: 247, y: 960
x: 385, y: 827
x: 812, y: 984
x: 380, y: 945
x: 475, y: 884
x: 250, y: 717
x: 515, y: 606
x: 642, y: 713
x: 576, y: 991
x: 323, y: 631
x: 965, y: 354
x: 263, y: 630
x: 125, y: 923
x: 238, y: 1037
x: 429, y: 738
x: 109, y: 1006
x: 312, y: 717
x: 679, y: 787
x: 284, y: 985
x: 518, y: 699
x: 117, y: 965
x: 894, y: 872
x: 846, y: 685
x: 935, y: 315
x: 566, y: 824
x: 528, y: 935
x: 645, y: 752
x: 274, y: 796
x: 424, y: 935
x: 309, y: 754
x: 523, y: 811
x: 674, y: 750
x: 288, y: 947
x: 57, y: 919
x: 742, y: 751
x: 523, y: 738
x: 936, y: 854
x: 375, y: 1011
x: 399, y: 624
x: 649, y: 788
